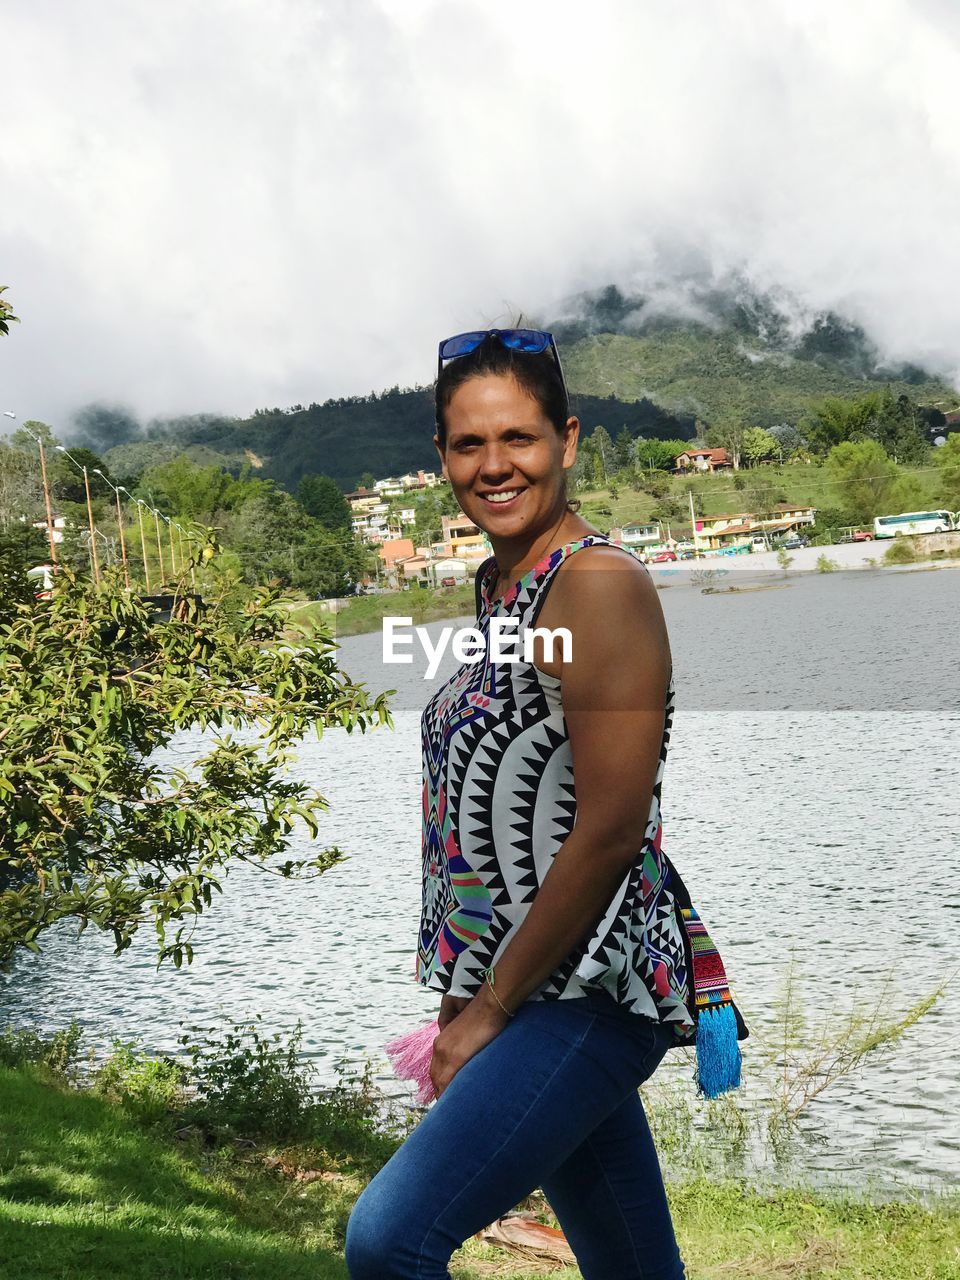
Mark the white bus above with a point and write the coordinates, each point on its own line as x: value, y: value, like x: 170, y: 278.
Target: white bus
x: 913, y: 522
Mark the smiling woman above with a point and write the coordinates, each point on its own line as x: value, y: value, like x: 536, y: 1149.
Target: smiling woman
x: 552, y: 922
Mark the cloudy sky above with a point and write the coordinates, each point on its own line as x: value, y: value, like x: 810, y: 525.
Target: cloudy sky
x: 239, y: 203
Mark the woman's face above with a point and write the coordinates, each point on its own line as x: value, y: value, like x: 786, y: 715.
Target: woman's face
x: 504, y: 459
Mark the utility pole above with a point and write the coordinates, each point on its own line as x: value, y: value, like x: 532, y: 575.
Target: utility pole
x: 123, y: 545
x: 143, y: 539
x: 93, y: 530
x: 693, y: 526
x: 46, y: 494
x: 156, y: 520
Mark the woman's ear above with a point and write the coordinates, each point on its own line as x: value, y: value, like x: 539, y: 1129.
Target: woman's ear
x: 442, y: 455
x: 571, y: 436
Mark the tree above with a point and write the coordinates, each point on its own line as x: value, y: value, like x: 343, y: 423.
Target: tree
x: 786, y: 437
x: 623, y: 449
x: 659, y: 455
x: 182, y: 488
x: 367, y: 480
x: 6, y: 313
x: 758, y: 445
x: 866, y: 480
x: 92, y: 827
x: 321, y: 497
x: 66, y: 477
x: 728, y: 433
x: 948, y: 460
x: 837, y: 420
x: 600, y: 439
x: 898, y: 425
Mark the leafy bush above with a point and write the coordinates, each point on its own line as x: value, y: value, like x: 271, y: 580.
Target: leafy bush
x: 59, y: 1053
x: 826, y: 565
x: 150, y: 1087
x: 246, y: 1081
x: 899, y: 552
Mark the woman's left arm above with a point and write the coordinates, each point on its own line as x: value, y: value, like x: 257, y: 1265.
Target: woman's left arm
x: 614, y: 697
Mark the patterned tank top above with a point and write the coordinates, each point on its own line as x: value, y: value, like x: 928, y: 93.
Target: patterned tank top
x: 499, y: 801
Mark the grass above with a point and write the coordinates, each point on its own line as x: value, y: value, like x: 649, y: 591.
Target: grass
x: 87, y: 1191
x: 366, y: 613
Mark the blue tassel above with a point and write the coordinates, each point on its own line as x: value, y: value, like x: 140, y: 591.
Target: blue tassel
x: 718, y: 1054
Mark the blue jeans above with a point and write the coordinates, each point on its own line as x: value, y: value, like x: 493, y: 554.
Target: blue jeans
x: 551, y: 1102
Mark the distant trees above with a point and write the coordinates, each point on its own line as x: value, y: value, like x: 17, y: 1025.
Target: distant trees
x: 894, y: 422
x: 729, y: 433
x: 321, y: 497
x: 868, y: 482
x: 948, y: 460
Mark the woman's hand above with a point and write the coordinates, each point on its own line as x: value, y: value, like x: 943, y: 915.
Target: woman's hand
x: 450, y: 1006
x: 473, y: 1026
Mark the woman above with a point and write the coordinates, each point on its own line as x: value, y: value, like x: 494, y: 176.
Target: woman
x: 561, y: 991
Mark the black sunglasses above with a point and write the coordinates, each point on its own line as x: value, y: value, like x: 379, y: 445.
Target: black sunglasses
x: 532, y: 341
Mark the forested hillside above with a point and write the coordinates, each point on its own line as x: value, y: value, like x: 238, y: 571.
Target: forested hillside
x: 629, y: 362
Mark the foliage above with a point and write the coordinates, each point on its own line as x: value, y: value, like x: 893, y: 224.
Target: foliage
x: 784, y: 559
x: 58, y: 1052
x: 94, y: 681
x: 947, y: 458
x: 758, y: 445
x: 7, y: 318
x: 825, y: 564
x: 322, y: 498
x: 866, y: 480
x: 247, y: 1081
x: 149, y: 1087
x: 899, y: 551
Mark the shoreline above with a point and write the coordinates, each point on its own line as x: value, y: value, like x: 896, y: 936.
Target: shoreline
x: 353, y: 616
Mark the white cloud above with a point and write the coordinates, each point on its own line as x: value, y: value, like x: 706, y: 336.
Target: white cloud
x: 235, y: 204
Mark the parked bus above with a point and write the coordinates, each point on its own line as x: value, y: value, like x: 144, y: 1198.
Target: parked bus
x: 913, y: 522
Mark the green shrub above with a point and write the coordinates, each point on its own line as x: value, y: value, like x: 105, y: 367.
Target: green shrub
x: 149, y: 1087
x: 899, y: 552
x: 826, y: 565
x: 59, y: 1053
x: 247, y: 1082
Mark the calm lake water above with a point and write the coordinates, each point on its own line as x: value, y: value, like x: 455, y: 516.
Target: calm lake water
x: 810, y: 801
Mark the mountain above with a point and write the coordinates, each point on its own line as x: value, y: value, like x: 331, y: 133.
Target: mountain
x: 656, y: 365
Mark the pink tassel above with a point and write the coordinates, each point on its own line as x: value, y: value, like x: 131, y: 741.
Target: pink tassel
x: 411, y: 1055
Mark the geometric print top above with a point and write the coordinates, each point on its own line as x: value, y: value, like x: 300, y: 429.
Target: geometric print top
x: 499, y: 801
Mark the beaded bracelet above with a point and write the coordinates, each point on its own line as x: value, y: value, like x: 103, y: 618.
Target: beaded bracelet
x: 488, y: 976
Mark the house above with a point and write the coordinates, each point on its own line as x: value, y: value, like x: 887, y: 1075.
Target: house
x: 451, y: 567
x: 702, y: 460
x: 733, y: 527
x: 637, y: 535
x: 463, y: 539
x: 363, y: 499
x: 394, y: 549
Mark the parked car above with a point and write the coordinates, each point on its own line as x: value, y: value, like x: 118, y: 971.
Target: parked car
x: 662, y: 556
x: 688, y: 555
x: 792, y: 544
x: 448, y: 582
x: 856, y: 535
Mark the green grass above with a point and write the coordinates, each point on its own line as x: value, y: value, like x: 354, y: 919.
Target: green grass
x: 86, y: 1192
x: 366, y: 613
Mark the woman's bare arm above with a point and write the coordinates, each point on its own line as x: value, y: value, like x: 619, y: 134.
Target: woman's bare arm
x: 614, y: 694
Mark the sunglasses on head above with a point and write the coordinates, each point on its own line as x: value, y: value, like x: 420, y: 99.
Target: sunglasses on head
x: 531, y: 341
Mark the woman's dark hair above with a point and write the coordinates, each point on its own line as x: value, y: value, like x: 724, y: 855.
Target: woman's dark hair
x: 536, y: 372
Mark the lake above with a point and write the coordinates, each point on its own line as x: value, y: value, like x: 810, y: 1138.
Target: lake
x: 810, y: 801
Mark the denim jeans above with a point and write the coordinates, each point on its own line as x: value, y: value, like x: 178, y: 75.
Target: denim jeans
x: 551, y: 1102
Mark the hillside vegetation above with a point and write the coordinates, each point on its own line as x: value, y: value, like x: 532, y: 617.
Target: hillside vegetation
x: 628, y: 366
